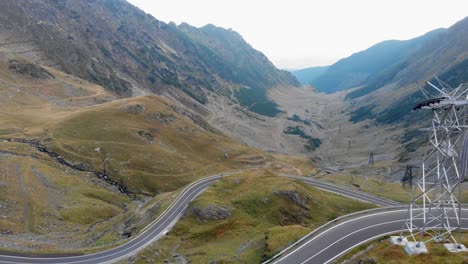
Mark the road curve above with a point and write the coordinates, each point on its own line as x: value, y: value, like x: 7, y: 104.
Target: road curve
x: 152, y: 232
x: 301, y: 252
x: 357, y: 195
x: 328, y: 244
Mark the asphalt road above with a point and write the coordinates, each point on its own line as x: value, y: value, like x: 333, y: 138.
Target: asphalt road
x: 329, y: 244
x: 321, y: 247
x: 362, y: 196
x: 151, y: 233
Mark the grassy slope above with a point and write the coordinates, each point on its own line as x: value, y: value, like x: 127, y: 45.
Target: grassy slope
x: 62, y: 209
x: 39, y: 197
x: 147, y: 155
x: 262, y: 222
x: 374, y: 184
x: 384, y: 252
x: 371, y: 179
x: 28, y: 105
x: 57, y: 207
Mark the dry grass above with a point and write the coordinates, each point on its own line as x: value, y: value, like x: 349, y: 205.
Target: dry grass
x: 154, y: 152
x: 262, y: 222
x: 384, y: 252
x: 146, y: 154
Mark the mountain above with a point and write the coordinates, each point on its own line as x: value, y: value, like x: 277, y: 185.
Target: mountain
x: 366, y: 65
x: 445, y: 56
x: 83, y: 168
x: 211, y: 71
x: 106, y: 113
x: 114, y: 44
x: 237, y: 62
x: 307, y: 75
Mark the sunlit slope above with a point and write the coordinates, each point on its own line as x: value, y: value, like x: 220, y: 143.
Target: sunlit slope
x: 147, y: 144
x: 30, y: 101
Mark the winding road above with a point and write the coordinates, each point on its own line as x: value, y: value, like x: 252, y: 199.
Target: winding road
x: 321, y: 246
x: 152, y: 232
x: 337, y: 238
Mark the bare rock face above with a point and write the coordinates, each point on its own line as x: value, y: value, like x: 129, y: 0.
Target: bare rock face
x: 210, y: 212
x: 32, y: 70
x: 294, y: 196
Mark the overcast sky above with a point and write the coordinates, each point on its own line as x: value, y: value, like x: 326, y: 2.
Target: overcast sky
x: 301, y: 33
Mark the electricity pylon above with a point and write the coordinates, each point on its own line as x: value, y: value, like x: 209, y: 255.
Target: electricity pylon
x: 434, y: 213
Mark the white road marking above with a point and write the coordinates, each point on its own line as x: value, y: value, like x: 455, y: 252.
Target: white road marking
x: 185, y: 191
x: 350, y: 234
x: 328, y: 230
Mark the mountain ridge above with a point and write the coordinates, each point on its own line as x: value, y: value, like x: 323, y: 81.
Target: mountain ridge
x: 114, y: 44
x: 361, y: 66
x: 445, y: 56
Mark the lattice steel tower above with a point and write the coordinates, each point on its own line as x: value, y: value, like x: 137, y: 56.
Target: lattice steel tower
x: 434, y: 212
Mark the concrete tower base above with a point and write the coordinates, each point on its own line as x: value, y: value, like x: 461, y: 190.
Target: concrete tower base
x: 454, y: 248
x: 412, y: 248
x: 397, y: 240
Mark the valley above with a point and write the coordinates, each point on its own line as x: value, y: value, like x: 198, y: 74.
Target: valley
x: 127, y: 139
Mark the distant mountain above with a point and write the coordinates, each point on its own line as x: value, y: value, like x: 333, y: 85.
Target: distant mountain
x: 308, y: 75
x: 114, y: 44
x: 444, y: 55
x: 367, y: 65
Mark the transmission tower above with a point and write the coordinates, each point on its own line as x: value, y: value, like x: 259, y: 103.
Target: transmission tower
x: 434, y: 213
x: 371, y: 159
x: 408, y: 177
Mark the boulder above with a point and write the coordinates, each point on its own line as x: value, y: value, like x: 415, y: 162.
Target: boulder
x: 210, y: 212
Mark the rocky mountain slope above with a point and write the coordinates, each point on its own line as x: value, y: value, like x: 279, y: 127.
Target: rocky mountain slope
x: 445, y: 56
x: 376, y: 117
x: 128, y: 52
x: 83, y: 168
x: 86, y: 165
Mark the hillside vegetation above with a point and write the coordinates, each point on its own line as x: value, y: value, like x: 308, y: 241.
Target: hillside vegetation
x: 55, y: 192
x: 383, y: 251
x: 83, y: 170
x: 147, y: 144
x: 247, y: 218
x: 46, y: 206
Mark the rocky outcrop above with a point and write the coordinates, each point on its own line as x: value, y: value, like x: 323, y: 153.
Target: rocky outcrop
x: 30, y: 69
x: 104, y: 175
x: 294, y: 217
x: 196, y: 119
x: 210, y: 212
x: 135, y: 109
x: 160, y: 117
x: 296, y: 197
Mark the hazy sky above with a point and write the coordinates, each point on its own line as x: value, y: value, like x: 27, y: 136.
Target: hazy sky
x: 301, y: 33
